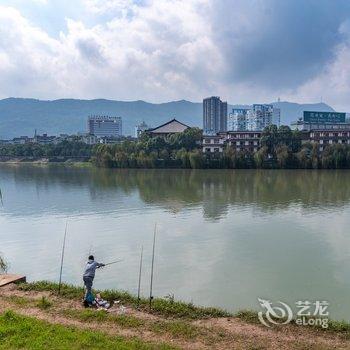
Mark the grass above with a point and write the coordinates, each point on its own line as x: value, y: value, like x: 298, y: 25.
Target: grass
x: 248, y: 316
x: 343, y: 327
x: 177, y: 329
x: 3, y: 264
x: 174, y: 329
x: 17, y: 300
x: 125, y: 321
x: 21, y: 332
x: 164, y: 307
x: 44, y: 303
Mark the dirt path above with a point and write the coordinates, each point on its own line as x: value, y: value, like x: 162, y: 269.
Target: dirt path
x: 214, y: 333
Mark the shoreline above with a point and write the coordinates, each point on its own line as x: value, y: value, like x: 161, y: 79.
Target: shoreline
x: 169, y: 325
x: 89, y: 164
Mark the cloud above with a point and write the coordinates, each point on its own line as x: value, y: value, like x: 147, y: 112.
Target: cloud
x: 42, y: 2
x: 164, y: 48
x: 333, y: 81
x: 103, y: 6
x: 278, y: 43
x: 244, y: 50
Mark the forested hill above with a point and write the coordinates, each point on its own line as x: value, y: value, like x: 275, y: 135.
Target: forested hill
x: 19, y: 116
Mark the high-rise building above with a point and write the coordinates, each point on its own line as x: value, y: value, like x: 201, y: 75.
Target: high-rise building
x: 237, y: 119
x: 276, y: 116
x: 255, y: 118
x: 140, y: 128
x: 214, y: 115
x: 263, y: 115
x: 105, y: 126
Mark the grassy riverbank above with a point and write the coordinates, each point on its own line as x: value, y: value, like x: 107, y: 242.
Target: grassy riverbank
x: 34, y: 316
x: 160, y: 306
x: 23, y: 332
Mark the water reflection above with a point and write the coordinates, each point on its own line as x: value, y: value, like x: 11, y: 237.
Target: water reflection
x: 225, y: 237
x: 215, y: 191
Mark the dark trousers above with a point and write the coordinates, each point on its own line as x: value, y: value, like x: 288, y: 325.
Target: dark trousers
x: 88, y: 285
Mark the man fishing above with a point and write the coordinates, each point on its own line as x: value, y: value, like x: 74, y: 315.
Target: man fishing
x: 89, y: 276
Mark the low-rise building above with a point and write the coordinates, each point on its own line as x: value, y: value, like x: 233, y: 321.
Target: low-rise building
x: 244, y: 140
x: 213, y: 144
x: 313, y: 120
x: 329, y: 137
x: 171, y: 127
x: 250, y: 141
x: 89, y: 139
x: 43, y: 139
x: 20, y: 140
x: 238, y: 140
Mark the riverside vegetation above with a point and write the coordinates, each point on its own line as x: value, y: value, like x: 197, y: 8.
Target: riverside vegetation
x: 281, y: 148
x: 34, y: 316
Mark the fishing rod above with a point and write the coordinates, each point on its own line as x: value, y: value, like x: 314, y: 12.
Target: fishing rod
x: 139, y: 286
x: 113, y: 262
x: 62, y: 257
x: 152, y: 267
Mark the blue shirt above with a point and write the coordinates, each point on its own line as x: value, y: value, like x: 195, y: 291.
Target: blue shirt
x: 91, y: 267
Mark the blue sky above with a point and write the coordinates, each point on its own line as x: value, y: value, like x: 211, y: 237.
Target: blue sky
x: 243, y: 50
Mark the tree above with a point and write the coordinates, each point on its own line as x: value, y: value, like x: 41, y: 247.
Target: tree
x: 229, y: 158
x: 260, y: 157
x: 304, y: 156
x: 269, y: 138
x: 196, y: 159
x: 182, y: 155
x: 283, y: 156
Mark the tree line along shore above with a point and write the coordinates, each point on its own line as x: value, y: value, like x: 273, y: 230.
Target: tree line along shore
x: 281, y: 148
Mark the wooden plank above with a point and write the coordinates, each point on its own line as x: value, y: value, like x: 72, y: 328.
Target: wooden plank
x: 10, y: 278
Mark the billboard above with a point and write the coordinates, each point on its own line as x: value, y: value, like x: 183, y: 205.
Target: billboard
x: 324, y: 117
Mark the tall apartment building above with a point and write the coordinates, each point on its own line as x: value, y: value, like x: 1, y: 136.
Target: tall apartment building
x: 253, y: 119
x: 260, y: 117
x: 237, y: 119
x: 214, y: 115
x: 105, y: 126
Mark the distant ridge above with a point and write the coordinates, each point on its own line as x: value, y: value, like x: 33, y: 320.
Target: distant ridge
x: 21, y: 116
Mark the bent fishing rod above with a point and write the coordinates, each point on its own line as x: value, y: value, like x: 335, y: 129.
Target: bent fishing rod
x: 113, y: 262
x: 62, y: 257
x: 152, y: 267
x: 139, y: 285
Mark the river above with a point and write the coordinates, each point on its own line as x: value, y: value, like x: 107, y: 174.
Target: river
x: 225, y: 237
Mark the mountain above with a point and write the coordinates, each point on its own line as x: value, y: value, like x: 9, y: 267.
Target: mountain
x: 20, y: 116
x: 290, y: 112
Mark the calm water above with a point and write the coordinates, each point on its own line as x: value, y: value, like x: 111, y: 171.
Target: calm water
x: 225, y: 238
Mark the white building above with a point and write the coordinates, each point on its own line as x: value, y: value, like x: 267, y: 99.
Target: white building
x: 139, y: 129
x: 237, y: 119
x: 105, y: 126
x: 253, y: 119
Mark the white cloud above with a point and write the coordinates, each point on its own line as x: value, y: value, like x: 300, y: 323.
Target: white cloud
x: 163, y: 51
x: 103, y: 6
x: 169, y: 49
x: 333, y: 83
x: 42, y: 2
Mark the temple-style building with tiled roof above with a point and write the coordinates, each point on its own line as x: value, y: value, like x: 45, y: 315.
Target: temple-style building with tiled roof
x: 171, y: 127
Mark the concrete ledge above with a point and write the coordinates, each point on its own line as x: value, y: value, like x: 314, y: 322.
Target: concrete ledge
x: 9, y: 278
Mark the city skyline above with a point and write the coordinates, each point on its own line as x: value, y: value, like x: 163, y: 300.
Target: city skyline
x: 243, y: 51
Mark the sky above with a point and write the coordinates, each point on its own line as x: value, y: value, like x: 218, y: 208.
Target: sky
x: 242, y: 50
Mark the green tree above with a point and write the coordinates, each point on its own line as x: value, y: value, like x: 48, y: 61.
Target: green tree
x: 196, y: 159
